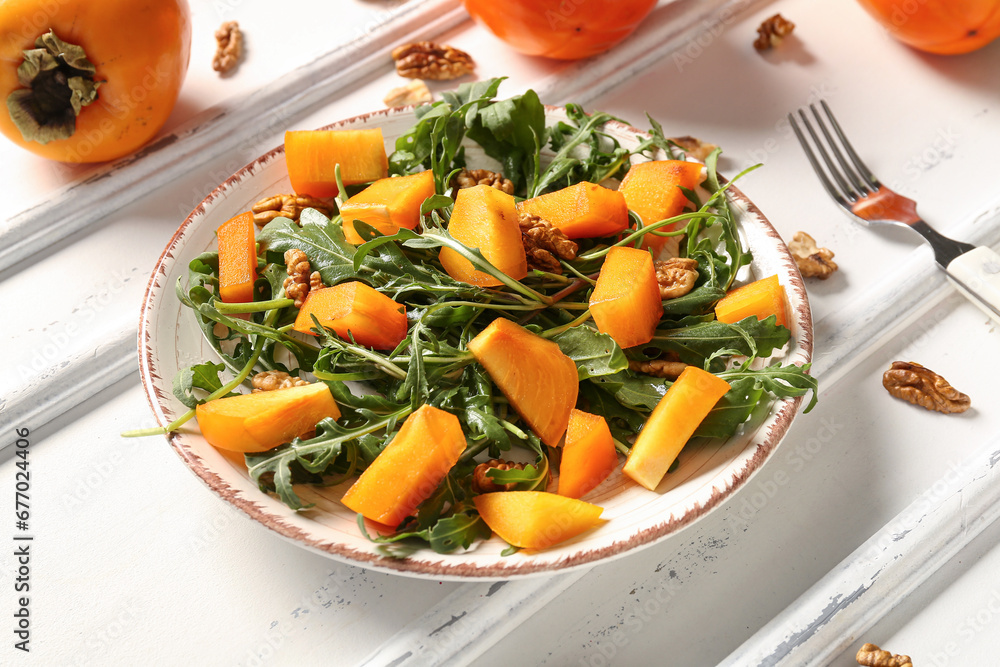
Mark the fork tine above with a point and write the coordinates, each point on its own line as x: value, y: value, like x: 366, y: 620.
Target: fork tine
x: 861, y: 189
x: 830, y: 187
x: 846, y: 190
x: 865, y: 171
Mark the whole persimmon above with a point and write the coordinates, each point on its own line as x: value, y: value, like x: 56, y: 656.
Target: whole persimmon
x: 562, y: 29
x: 939, y: 26
x: 90, y: 80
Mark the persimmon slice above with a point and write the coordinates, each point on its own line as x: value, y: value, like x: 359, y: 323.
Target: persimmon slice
x: 588, y: 456
x: 388, y: 205
x: 237, y: 259
x: 535, y: 519
x: 311, y: 157
x: 410, y: 468
x: 485, y: 218
x: 626, y: 302
x: 353, y: 309
x: 533, y: 373
x: 672, y: 423
x: 653, y: 190
x: 262, y: 421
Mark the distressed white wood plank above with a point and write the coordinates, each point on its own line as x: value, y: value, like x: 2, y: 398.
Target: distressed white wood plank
x: 221, y: 129
x: 69, y: 383
x: 468, y: 622
x: 869, y: 583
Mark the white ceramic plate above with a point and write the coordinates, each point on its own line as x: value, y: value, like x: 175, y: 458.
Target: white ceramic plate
x: 170, y: 340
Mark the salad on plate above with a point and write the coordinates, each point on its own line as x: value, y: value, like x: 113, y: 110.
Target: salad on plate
x: 495, y: 317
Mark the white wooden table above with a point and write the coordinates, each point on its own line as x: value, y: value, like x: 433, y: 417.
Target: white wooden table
x: 135, y: 562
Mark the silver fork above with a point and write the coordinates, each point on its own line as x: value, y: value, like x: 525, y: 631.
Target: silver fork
x: 974, y: 270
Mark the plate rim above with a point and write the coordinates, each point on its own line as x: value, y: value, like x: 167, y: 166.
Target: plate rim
x: 764, y: 443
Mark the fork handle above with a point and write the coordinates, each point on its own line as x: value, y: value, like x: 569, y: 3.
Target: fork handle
x: 977, y: 275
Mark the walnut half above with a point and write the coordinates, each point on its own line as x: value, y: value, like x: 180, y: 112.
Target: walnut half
x: 287, y: 206
x: 772, y: 31
x: 871, y: 655
x: 229, y: 47
x: 415, y: 92
x: 922, y: 386
x: 676, y: 276
x: 544, y: 244
x: 694, y: 147
x: 813, y: 261
x: 430, y: 60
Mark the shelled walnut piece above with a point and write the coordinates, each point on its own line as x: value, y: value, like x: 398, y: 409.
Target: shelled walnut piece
x: 676, y: 276
x: 871, y: 655
x: 300, y: 280
x: 694, y: 147
x: 922, y: 386
x: 470, y: 178
x: 430, y: 60
x: 229, y: 47
x: 286, y: 206
x: 813, y: 261
x: 273, y: 380
x: 544, y: 245
x: 772, y: 31
x: 481, y: 483
x: 415, y: 92
x: 668, y: 367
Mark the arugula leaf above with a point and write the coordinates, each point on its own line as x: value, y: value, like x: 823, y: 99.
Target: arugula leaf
x: 319, y: 238
x: 780, y: 381
x: 594, y: 353
x: 696, y: 341
x: 200, y: 376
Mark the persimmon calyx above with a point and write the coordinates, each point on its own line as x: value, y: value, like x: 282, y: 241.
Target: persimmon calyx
x: 58, y: 82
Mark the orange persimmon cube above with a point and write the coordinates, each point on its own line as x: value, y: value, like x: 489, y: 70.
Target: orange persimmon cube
x: 583, y: 210
x: 388, y: 205
x: 312, y: 155
x: 353, y: 309
x: 410, y: 468
x: 485, y: 218
x: 626, y: 302
x: 535, y: 519
x: 653, y: 190
x: 672, y: 423
x: 588, y: 456
x: 237, y: 259
x: 262, y: 421
x: 761, y: 298
x: 540, y: 381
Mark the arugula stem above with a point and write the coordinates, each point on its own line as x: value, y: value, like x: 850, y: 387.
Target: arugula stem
x: 300, y: 451
x: 486, y: 267
x: 597, y: 254
x: 258, y: 347
x: 251, y: 306
x: 550, y: 333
